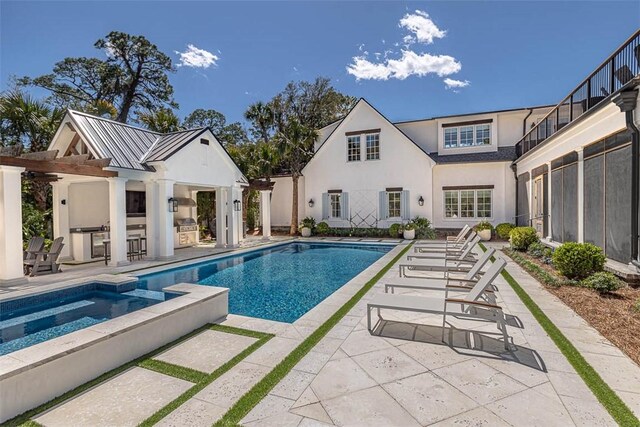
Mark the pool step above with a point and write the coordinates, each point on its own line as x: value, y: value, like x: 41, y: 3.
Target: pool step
x: 145, y: 293
x: 54, y: 311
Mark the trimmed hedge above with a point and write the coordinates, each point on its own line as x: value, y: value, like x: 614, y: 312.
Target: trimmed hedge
x: 578, y: 260
x: 522, y: 237
x: 395, y: 230
x: 503, y: 230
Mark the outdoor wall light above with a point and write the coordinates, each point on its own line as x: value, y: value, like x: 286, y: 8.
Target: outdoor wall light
x: 173, y: 205
x: 420, y: 201
x: 237, y: 206
x: 311, y: 203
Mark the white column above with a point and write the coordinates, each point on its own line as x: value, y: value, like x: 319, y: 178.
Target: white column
x: 549, y: 218
x: 221, y: 218
x: 165, y: 219
x: 580, y: 190
x: 194, y: 211
x: 60, y: 199
x: 152, y: 226
x: 531, y: 206
x: 232, y: 218
x: 11, y: 226
x: 117, y: 221
x: 265, y: 210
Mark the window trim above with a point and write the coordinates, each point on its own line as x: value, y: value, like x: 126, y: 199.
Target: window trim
x: 397, y: 191
x: 475, y: 190
x: 366, y: 147
x: 338, y: 196
x: 359, y: 145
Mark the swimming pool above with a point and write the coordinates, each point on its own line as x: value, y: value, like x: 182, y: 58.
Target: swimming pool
x: 279, y: 283
x: 28, y: 321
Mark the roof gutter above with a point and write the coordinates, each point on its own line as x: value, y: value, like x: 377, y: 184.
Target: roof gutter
x: 627, y: 101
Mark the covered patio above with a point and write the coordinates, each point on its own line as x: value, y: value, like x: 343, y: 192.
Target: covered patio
x: 119, y: 183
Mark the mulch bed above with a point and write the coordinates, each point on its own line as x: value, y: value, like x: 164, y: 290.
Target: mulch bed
x: 612, y: 315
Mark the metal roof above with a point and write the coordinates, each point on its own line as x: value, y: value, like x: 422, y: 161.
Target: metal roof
x: 123, y: 143
x: 504, y: 154
x: 168, y: 144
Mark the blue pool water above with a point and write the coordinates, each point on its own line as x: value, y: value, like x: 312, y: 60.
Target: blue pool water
x: 281, y: 283
x: 24, y: 323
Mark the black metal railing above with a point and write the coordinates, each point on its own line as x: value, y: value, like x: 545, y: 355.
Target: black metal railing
x: 615, y: 72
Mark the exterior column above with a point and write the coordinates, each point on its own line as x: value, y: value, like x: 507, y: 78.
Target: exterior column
x: 11, y: 271
x: 117, y: 221
x: 60, y: 198
x: 580, y: 190
x: 193, y: 212
x: 549, y: 217
x: 265, y: 211
x: 165, y: 219
x: 233, y: 225
x: 221, y: 218
x: 152, y: 224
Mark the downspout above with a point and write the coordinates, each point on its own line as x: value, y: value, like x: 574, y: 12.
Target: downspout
x: 626, y: 101
x: 514, y: 168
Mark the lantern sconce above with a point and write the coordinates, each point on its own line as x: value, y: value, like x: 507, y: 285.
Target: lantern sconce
x: 311, y: 203
x: 237, y: 206
x: 420, y: 201
x: 173, y: 205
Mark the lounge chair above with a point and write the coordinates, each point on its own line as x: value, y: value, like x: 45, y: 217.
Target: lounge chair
x: 460, y: 236
x: 46, y: 262
x: 36, y: 244
x: 462, y: 264
x: 451, y: 242
x: 442, y: 284
x: 464, y: 252
x: 471, y: 306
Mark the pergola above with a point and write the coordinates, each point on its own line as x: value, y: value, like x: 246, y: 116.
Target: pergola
x: 42, y: 166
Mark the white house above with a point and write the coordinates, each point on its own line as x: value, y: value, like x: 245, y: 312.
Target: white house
x: 370, y: 172
x: 150, y: 193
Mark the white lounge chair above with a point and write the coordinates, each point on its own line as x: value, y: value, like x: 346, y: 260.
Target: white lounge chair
x: 451, y: 241
x: 463, y: 253
x: 471, y: 306
x: 446, y: 248
x: 441, y: 284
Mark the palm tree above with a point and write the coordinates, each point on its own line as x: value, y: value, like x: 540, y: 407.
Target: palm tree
x: 295, y: 144
x: 162, y: 120
x: 261, y: 116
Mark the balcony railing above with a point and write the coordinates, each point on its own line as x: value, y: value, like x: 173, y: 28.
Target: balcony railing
x: 619, y: 69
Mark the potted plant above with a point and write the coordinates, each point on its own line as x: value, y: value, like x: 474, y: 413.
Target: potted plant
x: 308, y: 224
x: 409, y: 232
x: 484, y: 230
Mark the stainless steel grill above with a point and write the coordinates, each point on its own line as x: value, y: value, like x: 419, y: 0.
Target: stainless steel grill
x: 186, y: 224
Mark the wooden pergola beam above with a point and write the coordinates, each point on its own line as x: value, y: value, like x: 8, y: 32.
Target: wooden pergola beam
x: 53, y: 166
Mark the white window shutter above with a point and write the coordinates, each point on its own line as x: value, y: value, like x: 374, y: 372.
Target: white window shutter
x: 325, y: 205
x: 405, y: 205
x: 384, y: 209
x: 344, y: 205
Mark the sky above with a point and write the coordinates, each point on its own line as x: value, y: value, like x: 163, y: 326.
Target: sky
x: 411, y: 60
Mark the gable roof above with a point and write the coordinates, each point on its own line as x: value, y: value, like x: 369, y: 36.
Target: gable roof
x: 377, y: 112
x: 168, y: 144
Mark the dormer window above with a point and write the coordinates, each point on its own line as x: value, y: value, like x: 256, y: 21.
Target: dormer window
x: 467, y: 134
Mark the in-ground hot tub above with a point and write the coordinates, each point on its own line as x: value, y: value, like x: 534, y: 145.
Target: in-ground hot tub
x: 54, y: 341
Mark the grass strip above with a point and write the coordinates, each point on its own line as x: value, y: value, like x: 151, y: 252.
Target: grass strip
x: 259, y: 391
x: 172, y: 370
x: 180, y: 400
x: 24, y: 418
x: 618, y: 410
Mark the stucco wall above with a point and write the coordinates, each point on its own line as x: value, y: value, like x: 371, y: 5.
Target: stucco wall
x: 401, y: 164
x: 88, y: 204
x: 282, y: 199
x: 497, y: 174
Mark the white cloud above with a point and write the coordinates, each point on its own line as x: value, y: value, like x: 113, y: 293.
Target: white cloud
x: 424, y: 29
x: 196, y: 57
x: 410, y: 64
x: 455, y: 84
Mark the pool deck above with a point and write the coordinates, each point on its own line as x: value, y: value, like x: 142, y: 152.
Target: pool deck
x: 403, y: 375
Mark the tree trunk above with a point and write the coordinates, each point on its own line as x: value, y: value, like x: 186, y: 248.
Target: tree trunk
x: 294, y: 210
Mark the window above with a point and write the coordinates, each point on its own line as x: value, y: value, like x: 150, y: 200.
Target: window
x: 334, y: 199
x: 393, y: 203
x: 353, y: 148
x: 483, y: 134
x: 450, y: 137
x: 463, y: 136
x: 468, y: 203
x: 373, y: 146
x: 466, y: 136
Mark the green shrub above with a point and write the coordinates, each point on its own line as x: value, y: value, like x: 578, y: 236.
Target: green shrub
x: 322, y: 228
x: 309, y: 222
x: 395, y: 230
x: 522, y: 237
x: 424, y: 230
x: 503, y: 230
x: 483, y: 225
x: 34, y: 222
x: 410, y: 226
x: 537, y: 250
x: 578, y: 260
x: 603, y: 282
